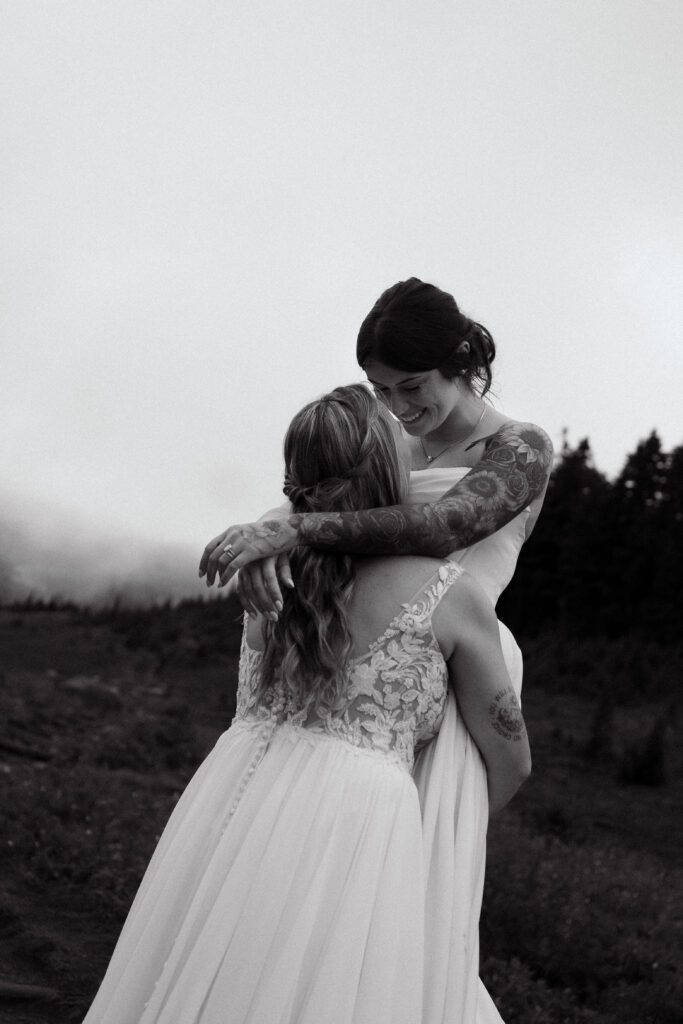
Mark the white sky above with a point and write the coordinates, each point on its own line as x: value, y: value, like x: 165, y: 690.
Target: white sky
x: 199, y: 203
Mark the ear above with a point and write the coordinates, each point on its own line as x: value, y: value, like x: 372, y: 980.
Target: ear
x: 463, y: 348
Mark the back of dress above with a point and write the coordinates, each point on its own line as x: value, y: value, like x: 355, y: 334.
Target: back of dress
x: 396, y: 689
x: 288, y: 886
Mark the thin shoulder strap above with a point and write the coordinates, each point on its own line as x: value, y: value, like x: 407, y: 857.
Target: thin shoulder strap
x: 431, y: 592
x: 423, y: 602
x: 417, y: 611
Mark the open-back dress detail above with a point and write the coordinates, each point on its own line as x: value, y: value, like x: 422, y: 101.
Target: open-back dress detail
x: 289, y: 884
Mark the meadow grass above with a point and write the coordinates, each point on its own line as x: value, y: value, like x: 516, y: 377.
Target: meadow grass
x: 108, y: 715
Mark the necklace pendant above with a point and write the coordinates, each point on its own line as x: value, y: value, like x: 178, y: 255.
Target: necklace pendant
x: 430, y: 458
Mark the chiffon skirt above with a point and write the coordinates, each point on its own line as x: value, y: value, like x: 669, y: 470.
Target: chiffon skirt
x: 302, y: 880
x: 451, y: 781
x: 287, y: 887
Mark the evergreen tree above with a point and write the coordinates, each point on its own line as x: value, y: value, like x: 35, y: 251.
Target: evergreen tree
x: 662, y: 611
x: 605, y: 558
x: 636, y: 519
x: 559, y: 576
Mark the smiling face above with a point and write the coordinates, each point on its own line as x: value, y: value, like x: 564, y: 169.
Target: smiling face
x: 422, y: 402
x: 402, y: 444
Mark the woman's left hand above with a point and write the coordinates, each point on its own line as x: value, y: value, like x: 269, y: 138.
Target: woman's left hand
x: 239, y: 545
x: 259, y: 583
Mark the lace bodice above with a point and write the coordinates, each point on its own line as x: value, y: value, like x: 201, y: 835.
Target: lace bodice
x: 396, y: 689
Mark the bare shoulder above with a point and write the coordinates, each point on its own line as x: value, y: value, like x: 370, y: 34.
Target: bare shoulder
x: 463, y: 610
x: 466, y: 597
x: 382, y: 587
x: 524, y: 452
x: 398, y: 574
x: 525, y: 437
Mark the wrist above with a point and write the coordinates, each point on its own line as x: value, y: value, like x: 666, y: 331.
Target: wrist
x: 296, y: 522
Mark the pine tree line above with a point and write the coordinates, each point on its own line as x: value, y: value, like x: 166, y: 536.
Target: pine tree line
x: 606, y: 557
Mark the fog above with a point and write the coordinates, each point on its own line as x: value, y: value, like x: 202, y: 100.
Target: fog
x: 49, y: 552
x: 199, y: 208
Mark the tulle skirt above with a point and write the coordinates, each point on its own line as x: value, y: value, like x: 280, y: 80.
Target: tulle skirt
x: 302, y: 880
x: 287, y: 887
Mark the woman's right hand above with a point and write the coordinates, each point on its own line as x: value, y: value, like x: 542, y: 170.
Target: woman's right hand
x: 258, y: 585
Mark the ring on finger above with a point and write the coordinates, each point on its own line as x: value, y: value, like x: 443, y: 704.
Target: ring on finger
x: 229, y: 552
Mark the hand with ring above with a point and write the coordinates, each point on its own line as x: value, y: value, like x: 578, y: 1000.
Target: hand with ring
x: 241, y: 545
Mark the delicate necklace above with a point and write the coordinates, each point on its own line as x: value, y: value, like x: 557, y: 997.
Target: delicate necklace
x: 461, y: 440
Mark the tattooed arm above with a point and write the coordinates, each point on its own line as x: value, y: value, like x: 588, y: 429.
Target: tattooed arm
x: 512, y: 473
x: 486, y: 699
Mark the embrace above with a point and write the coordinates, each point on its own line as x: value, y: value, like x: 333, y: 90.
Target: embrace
x: 325, y: 865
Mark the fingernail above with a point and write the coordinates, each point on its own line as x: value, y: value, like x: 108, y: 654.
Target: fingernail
x: 202, y: 572
x: 272, y: 616
x: 289, y: 583
x: 279, y: 605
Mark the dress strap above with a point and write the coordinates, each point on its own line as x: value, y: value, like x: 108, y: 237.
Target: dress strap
x: 417, y: 612
x: 431, y: 592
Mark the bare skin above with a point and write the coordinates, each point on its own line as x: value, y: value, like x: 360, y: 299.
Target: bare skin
x: 489, y: 706
x: 512, y: 473
x: 466, y: 630
x: 506, y: 715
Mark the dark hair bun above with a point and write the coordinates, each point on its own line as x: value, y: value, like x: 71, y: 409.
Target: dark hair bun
x: 415, y: 326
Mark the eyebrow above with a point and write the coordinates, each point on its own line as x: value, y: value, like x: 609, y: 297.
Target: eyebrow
x: 405, y: 380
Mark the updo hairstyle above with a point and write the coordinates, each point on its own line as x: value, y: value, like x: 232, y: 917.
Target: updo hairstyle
x: 415, y: 327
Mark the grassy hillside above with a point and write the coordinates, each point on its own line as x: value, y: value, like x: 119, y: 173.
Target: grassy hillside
x: 108, y: 714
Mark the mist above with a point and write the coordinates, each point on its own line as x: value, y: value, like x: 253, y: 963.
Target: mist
x: 51, y: 553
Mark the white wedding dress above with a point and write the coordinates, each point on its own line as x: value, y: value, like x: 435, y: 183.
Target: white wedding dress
x: 305, y: 875
x: 451, y: 781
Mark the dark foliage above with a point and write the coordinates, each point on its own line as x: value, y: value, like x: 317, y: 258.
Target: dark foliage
x: 108, y: 712
x: 606, y: 558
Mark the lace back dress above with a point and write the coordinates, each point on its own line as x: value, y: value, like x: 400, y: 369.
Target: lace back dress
x: 288, y: 885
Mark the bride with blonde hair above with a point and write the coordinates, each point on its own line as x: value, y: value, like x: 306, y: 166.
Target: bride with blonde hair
x: 294, y: 882
x: 477, y: 486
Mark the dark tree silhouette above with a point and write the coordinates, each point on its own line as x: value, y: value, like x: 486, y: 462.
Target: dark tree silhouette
x: 606, y: 558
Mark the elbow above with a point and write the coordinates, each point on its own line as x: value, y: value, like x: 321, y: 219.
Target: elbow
x: 524, y: 766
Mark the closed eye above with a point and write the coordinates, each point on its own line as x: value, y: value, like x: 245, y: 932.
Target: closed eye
x: 383, y: 392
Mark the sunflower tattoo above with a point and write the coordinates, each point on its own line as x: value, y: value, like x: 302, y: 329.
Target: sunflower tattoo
x: 512, y: 472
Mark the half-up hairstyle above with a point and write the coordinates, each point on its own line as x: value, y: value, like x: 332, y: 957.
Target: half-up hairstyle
x: 340, y: 456
x: 414, y: 327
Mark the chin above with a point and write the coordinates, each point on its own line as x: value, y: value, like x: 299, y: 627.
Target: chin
x: 420, y: 427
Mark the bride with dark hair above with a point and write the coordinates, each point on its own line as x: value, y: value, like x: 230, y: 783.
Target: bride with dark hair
x: 477, y: 485
x: 475, y: 468
x: 292, y: 882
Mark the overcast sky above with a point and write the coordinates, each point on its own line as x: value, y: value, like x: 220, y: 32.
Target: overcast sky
x: 201, y: 201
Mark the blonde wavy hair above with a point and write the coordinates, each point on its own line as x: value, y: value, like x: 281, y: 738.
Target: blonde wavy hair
x: 340, y: 456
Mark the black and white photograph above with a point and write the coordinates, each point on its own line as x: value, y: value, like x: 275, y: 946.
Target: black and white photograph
x: 341, y: 512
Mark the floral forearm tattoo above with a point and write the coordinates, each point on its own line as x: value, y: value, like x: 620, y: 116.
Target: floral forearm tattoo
x: 513, y: 470
x: 505, y: 715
